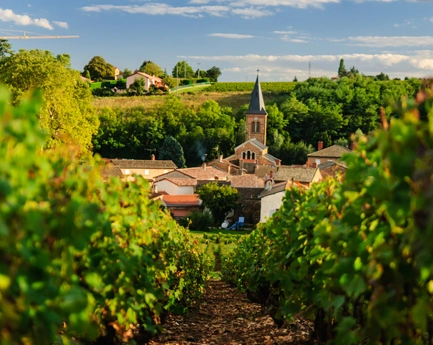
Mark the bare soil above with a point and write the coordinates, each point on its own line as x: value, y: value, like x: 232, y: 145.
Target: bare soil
x: 226, y: 316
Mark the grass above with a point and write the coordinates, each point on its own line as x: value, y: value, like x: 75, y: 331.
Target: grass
x: 216, y: 244
x: 234, y: 100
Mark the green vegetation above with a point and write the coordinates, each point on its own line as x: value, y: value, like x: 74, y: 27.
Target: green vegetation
x: 98, y: 69
x: 67, y: 113
x: 355, y: 256
x: 82, y: 258
x: 277, y: 87
x: 171, y: 149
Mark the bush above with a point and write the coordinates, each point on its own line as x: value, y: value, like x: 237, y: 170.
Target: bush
x: 186, y: 82
x: 200, y: 221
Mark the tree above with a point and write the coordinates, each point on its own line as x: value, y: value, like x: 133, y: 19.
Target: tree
x: 67, y: 113
x: 182, y: 70
x: 171, y: 149
x: 151, y: 68
x: 213, y: 73
x: 220, y: 200
x: 5, y: 48
x: 169, y: 81
x: 295, y: 80
x: 99, y: 69
x: 342, y: 72
x: 138, y: 86
x: 126, y: 73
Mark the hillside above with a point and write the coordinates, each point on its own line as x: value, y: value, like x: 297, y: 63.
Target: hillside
x: 225, y: 99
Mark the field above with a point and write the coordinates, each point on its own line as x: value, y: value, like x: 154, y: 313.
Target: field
x: 235, y: 100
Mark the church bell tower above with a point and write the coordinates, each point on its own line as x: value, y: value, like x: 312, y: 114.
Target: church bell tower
x: 256, y: 115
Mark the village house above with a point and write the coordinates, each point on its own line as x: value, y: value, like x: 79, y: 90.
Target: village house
x: 149, y: 80
x: 146, y: 168
x: 322, y: 155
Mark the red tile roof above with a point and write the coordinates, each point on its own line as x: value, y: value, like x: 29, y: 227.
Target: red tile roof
x: 181, y: 200
x: 247, y: 180
x: 208, y: 173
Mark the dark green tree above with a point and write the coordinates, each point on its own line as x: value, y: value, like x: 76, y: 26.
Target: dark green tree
x: 138, y: 87
x: 295, y: 80
x: 171, y: 149
x: 151, y: 68
x: 220, y: 200
x: 342, y: 72
x: 213, y: 73
x: 126, y: 73
x: 5, y: 48
x: 99, y: 69
x: 182, y: 70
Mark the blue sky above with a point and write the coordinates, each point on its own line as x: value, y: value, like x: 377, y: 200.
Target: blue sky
x: 282, y: 38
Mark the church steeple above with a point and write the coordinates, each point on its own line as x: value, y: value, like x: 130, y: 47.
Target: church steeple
x: 256, y: 115
x: 257, y: 105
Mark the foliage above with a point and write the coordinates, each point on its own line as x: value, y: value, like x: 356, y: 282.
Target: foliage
x: 99, y: 69
x: 151, y: 68
x: 182, y: 70
x: 249, y: 86
x: 171, y: 149
x: 199, y: 221
x: 169, y: 81
x: 213, y: 73
x: 126, y: 73
x: 220, y: 200
x: 137, y: 87
x: 82, y: 258
x: 355, y: 255
x: 67, y: 113
x: 5, y: 48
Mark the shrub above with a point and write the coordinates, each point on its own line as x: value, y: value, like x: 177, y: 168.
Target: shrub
x: 200, y: 221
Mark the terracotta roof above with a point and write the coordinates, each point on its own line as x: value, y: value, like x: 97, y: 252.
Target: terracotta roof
x: 108, y: 171
x: 247, y: 180
x: 208, y: 173
x: 181, y: 200
x: 334, y: 151
x: 144, y: 164
x: 178, y: 181
x: 280, y: 187
x: 300, y: 174
x: 148, y: 76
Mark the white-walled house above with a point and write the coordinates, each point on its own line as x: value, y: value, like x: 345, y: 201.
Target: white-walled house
x: 148, y: 80
x: 176, y: 186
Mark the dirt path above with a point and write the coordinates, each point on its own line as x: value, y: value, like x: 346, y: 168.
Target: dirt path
x: 225, y: 316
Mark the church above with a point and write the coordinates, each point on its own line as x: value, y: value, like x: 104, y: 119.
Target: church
x: 251, y: 156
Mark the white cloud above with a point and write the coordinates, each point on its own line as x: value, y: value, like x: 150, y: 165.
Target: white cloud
x: 285, y: 32
x: 391, y: 41
x: 278, y: 3
x: 250, y: 13
x: 9, y: 16
x: 431, y: 19
x: 232, y: 36
x: 63, y: 25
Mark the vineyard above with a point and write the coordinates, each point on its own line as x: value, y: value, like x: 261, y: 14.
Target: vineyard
x: 82, y: 259
x: 87, y: 260
x: 356, y: 256
x: 275, y: 87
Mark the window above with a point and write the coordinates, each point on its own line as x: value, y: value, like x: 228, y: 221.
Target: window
x: 253, y: 127
x: 244, y: 155
x: 248, y: 154
x: 253, y: 155
x: 127, y: 172
x: 146, y: 172
x: 257, y: 126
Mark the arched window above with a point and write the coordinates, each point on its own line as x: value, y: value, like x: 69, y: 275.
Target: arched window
x: 244, y: 155
x: 248, y: 154
x: 253, y: 155
x: 253, y: 127
x: 257, y: 126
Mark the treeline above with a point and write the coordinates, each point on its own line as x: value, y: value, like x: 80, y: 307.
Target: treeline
x: 354, y: 256
x: 82, y: 259
x: 316, y: 110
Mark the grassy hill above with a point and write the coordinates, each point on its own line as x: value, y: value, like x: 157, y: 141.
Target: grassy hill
x: 225, y: 99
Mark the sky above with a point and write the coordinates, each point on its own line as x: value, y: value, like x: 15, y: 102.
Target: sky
x: 280, y: 38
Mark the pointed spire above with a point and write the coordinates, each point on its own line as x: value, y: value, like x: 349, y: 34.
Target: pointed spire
x: 257, y: 105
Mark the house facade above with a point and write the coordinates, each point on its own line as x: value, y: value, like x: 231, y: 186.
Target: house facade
x: 322, y: 155
x: 149, y: 80
x: 146, y: 168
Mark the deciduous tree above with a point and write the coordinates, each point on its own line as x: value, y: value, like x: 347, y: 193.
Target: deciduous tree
x: 213, y: 73
x: 99, y: 68
x: 182, y: 70
x: 219, y: 199
x: 151, y: 68
x: 67, y: 113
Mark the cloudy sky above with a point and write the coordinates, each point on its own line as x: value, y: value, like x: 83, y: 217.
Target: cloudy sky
x: 282, y: 38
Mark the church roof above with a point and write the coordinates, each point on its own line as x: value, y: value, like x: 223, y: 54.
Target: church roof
x: 253, y: 141
x: 257, y: 105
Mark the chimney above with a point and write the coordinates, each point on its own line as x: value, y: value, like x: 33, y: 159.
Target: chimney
x: 204, y: 166
x: 320, y: 145
x: 152, y: 157
x: 314, y: 165
x: 220, y: 158
x: 278, y: 162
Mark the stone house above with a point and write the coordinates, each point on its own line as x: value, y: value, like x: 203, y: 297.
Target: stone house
x: 322, y: 155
